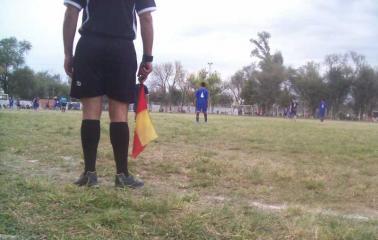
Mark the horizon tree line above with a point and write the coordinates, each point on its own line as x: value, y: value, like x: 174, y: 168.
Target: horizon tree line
x: 347, y: 81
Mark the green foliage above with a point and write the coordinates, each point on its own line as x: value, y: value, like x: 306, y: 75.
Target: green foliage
x: 214, y: 85
x: 238, y: 81
x: 21, y: 81
x: 339, y: 80
x: 172, y: 86
x: 225, y: 99
x: 285, y: 97
x: 12, y: 56
x: 26, y: 84
x: 310, y: 86
x: 249, y: 92
x: 364, y: 91
x: 343, y: 85
x: 264, y: 88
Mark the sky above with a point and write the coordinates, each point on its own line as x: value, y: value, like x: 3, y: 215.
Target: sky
x: 196, y: 32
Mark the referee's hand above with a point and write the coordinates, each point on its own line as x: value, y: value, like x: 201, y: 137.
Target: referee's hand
x: 145, y: 69
x: 68, y: 65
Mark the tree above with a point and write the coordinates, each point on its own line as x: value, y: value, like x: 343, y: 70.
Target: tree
x: 262, y: 49
x: 26, y: 84
x: 285, y: 97
x: 170, y: 84
x: 270, y: 75
x: 308, y: 83
x: 49, y: 86
x: 364, y: 86
x: 249, y: 92
x: 214, y: 85
x: 339, y: 80
x: 22, y: 83
x: 12, y: 56
x: 238, y: 80
x: 225, y: 99
x: 183, y: 84
x: 163, y: 80
x: 364, y: 91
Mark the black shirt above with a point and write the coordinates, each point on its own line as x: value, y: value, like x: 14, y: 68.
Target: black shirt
x: 112, y: 18
x: 294, y: 106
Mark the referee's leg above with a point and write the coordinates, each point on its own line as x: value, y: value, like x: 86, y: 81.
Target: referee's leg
x: 90, y: 136
x: 119, y: 134
x: 90, y: 130
x: 92, y: 108
x: 118, y: 111
x: 119, y: 137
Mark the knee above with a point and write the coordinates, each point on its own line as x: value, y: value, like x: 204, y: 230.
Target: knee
x: 92, y: 109
x: 117, y: 116
x: 117, y: 111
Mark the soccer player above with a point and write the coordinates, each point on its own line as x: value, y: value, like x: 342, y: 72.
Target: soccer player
x: 202, y: 96
x: 105, y: 64
x: 36, y: 103
x: 11, y: 102
x: 18, y: 104
x: 63, y: 103
x: 322, y: 110
x: 293, y: 109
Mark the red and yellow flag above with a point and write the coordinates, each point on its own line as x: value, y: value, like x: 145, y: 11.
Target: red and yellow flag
x: 144, y: 130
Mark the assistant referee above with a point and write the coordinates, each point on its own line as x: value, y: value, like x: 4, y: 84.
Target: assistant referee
x: 105, y: 64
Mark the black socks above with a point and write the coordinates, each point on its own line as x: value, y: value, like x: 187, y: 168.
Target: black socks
x: 119, y: 137
x: 197, y: 117
x: 90, y: 136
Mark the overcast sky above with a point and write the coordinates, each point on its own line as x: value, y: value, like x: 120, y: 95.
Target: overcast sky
x: 196, y: 32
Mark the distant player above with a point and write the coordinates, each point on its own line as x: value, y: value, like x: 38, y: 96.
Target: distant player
x: 286, y: 112
x: 11, y: 102
x: 63, y: 103
x: 18, y: 104
x: 293, y: 109
x: 322, y: 110
x: 36, y: 103
x: 202, y: 96
x: 56, y: 103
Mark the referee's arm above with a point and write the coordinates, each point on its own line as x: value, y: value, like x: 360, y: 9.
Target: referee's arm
x: 69, y: 30
x: 147, y: 32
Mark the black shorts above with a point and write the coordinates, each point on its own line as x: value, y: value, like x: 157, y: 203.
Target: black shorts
x: 104, y: 66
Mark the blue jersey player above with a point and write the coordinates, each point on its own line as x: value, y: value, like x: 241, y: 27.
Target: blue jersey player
x: 63, y: 103
x: 322, y: 110
x: 202, y: 100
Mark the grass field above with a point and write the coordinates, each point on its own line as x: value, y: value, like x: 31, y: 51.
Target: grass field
x: 233, y: 178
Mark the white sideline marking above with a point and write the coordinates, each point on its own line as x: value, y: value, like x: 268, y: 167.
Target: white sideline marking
x: 268, y: 207
x: 279, y: 208
x: 216, y: 198
x: 283, y: 207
